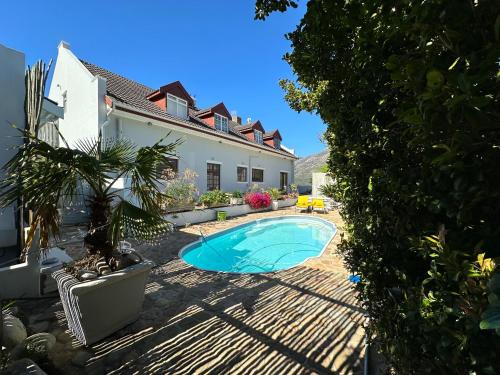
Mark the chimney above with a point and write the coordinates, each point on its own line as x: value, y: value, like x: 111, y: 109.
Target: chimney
x: 194, y: 100
x: 235, y: 118
x: 249, y: 120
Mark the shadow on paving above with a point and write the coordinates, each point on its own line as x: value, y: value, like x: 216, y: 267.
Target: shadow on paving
x: 298, y: 321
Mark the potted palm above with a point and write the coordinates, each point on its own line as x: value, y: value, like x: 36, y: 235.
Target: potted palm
x: 104, y: 291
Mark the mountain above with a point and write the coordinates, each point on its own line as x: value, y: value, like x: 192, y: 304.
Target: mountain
x: 304, y: 167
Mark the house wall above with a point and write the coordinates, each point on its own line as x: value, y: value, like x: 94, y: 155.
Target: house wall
x: 319, y: 179
x: 85, y: 108
x: 12, y: 94
x: 196, y: 151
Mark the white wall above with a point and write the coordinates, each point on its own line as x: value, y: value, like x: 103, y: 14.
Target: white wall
x: 197, y: 150
x: 319, y: 179
x: 85, y: 107
x: 12, y: 94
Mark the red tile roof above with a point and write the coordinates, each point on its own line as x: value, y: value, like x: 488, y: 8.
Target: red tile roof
x: 133, y: 94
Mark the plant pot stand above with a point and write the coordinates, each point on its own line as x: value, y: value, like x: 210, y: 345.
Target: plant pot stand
x: 97, y: 308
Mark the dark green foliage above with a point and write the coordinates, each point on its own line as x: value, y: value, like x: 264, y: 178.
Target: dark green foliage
x: 328, y: 190
x: 410, y: 93
x: 45, y: 176
x: 214, y: 198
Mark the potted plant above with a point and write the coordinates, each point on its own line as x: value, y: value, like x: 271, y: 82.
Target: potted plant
x: 214, y: 198
x: 113, y: 291
x: 236, y: 197
x: 275, y: 195
x: 180, y: 193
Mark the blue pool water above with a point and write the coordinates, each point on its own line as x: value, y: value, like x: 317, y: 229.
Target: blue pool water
x: 264, y: 245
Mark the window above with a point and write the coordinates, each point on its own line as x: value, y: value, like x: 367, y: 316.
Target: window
x: 176, y: 106
x: 241, y: 173
x: 169, y: 169
x: 257, y: 175
x: 221, y: 123
x: 283, y: 180
x: 257, y: 136
x: 213, y: 176
x: 277, y: 143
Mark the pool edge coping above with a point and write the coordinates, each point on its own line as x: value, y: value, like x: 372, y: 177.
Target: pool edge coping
x: 327, y: 243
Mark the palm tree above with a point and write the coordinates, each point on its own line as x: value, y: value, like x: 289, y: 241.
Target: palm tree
x: 45, y: 176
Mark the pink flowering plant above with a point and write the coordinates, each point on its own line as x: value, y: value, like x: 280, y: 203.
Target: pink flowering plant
x: 258, y: 200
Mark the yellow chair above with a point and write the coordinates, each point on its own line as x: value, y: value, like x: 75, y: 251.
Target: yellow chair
x: 319, y: 204
x: 302, y: 202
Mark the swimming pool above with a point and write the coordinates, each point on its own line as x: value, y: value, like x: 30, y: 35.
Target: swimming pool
x: 264, y: 245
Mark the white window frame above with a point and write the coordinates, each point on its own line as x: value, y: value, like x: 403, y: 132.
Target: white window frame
x: 241, y: 166
x: 178, y: 103
x: 263, y: 175
x: 258, y: 139
x: 223, y: 123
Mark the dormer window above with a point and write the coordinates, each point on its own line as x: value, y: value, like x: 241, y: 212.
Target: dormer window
x: 277, y: 143
x: 221, y: 123
x: 258, y: 136
x: 176, y: 106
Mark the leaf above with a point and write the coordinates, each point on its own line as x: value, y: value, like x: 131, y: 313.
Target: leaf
x: 497, y: 28
x: 454, y: 63
x: 491, y: 318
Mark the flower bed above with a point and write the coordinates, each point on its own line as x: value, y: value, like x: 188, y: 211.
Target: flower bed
x: 258, y: 200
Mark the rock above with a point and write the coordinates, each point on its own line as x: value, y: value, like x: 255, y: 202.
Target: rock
x: 85, y: 275
x: 39, y: 345
x: 13, y: 310
x: 14, y: 331
x: 23, y: 366
x: 64, y: 337
x: 40, y: 326
x: 81, y: 358
x: 56, y: 331
x: 19, y: 351
x: 127, y: 259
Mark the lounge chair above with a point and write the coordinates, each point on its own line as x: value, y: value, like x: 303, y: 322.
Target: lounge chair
x: 319, y: 204
x: 302, y: 203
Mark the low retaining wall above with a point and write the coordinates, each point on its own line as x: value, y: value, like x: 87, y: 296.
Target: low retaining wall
x: 209, y: 214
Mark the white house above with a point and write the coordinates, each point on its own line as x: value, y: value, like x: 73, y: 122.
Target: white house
x: 223, y: 152
x: 12, y: 94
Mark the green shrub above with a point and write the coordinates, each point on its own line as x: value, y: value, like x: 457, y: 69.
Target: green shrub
x: 328, y: 190
x: 237, y: 194
x: 180, y: 192
x: 274, y: 193
x: 410, y: 93
x: 214, y: 197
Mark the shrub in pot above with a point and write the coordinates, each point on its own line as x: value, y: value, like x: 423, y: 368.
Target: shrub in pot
x: 214, y: 198
x: 258, y: 200
x: 43, y: 175
x: 275, y: 195
x: 236, y: 197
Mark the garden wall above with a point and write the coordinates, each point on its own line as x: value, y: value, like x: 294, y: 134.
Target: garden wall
x: 208, y: 214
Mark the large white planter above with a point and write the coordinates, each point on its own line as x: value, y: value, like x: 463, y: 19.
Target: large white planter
x: 97, y: 308
x: 287, y: 202
x: 275, y: 205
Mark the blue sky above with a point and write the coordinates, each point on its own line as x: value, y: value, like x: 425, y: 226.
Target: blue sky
x: 215, y: 48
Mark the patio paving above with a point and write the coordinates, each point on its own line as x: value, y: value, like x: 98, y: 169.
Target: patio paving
x: 301, y: 321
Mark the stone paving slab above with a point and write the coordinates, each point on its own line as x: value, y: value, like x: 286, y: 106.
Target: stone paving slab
x: 305, y: 320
